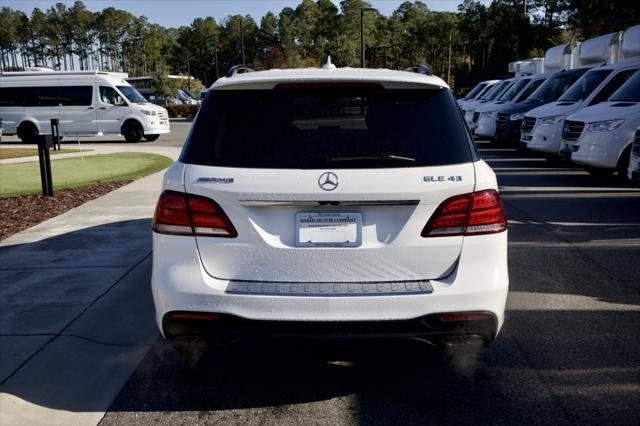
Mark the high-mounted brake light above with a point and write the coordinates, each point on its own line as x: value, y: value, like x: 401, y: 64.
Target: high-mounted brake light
x: 476, y: 213
x: 178, y: 213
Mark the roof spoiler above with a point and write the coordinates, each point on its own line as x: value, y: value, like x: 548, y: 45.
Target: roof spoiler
x: 238, y: 69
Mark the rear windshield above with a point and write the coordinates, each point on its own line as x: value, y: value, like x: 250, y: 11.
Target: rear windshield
x: 328, y: 128
x: 629, y: 91
x: 584, y: 86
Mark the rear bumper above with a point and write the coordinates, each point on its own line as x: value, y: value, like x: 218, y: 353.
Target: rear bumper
x: 434, y: 329
x: 478, y: 284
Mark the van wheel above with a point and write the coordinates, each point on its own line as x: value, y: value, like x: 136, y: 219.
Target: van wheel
x: 27, y: 132
x: 623, y: 163
x: 132, y: 131
x: 151, y: 138
x: 598, y: 172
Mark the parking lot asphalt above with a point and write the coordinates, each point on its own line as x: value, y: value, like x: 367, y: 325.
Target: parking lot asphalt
x: 569, y: 351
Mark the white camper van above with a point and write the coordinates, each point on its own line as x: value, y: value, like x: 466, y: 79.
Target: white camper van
x: 599, y: 137
x: 87, y: 103
x: 477, y: 91
x: 531, y: 77
x: 468, y: 109
x: 542, y: 127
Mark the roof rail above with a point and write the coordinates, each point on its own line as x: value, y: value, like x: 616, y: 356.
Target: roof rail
x: 419, y: 69
x: 238, y: 69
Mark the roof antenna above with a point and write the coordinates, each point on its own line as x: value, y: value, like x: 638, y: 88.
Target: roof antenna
x: 328, y: 65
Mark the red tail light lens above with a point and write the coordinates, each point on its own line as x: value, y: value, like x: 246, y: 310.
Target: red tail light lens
x: 469, y: 214
x: 185, y: 214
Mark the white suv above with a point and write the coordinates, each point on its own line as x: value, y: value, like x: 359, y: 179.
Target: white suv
x: 330, y: 202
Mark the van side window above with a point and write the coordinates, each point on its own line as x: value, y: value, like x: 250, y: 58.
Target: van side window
x: 75, y: 95
x: 46, y: 96
x: 613, y: 85
x: 29, y: 96
x: 109, y: 96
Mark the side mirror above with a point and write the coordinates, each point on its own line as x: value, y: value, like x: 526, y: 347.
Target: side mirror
x: 120, y: 102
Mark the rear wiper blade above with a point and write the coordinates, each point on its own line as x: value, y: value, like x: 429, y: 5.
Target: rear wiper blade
x: 383, y: 157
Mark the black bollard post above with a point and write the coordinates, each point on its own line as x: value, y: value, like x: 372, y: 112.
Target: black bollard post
x: 55, y: 133
x: 44, y: 143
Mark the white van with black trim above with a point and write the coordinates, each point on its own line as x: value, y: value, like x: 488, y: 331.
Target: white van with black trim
x: 86, y: 103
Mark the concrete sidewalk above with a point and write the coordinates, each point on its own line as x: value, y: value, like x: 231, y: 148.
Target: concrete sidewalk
x: 76, y: 314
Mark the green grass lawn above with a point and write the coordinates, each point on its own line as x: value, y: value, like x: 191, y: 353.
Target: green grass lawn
x: 29, y: 152
x: 22, y: 178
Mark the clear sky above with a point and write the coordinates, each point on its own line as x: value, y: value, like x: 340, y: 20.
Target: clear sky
x: 174, y: 13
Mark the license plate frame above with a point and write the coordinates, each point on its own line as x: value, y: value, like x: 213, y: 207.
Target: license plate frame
x: 328, y: 229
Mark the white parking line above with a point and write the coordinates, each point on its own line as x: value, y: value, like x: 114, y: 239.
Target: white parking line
x: 529, y: 301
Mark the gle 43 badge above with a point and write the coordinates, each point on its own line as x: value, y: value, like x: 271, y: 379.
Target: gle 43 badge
x: 442, y: 178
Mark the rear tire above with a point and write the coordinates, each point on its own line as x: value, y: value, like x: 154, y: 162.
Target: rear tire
x: 623, y: 163
x: 27, y: 132
x: 599, y: 173
x: 132, y: 131
x: 151, y: 138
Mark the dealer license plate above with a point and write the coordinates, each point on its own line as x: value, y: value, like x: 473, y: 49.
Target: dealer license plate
x: 328, y: 229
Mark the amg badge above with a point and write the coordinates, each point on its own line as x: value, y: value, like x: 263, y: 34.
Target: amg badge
x: 215, y: 179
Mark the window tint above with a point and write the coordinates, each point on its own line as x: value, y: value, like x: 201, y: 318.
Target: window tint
x: 500, y: 87
x: 555, y: 86
x: 529, y: 90
x: 486, y: 89
x: 476, y: 90
x: 584, y: 86
x: 75, y: 95
x: 514, y: 90
x: 46, y: 96
x: 131, y: 94
x: 328, y: 128
x: 613, y: 85
x: 108, y: 95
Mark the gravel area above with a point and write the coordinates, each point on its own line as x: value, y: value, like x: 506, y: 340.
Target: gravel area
x: 20, y: 212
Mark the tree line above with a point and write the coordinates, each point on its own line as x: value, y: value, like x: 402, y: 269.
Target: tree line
x: 472, y: 44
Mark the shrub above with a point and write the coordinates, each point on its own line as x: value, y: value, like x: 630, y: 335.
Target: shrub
x: 182, y: 111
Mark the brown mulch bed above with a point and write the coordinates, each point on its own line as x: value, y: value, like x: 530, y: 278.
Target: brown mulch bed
x: 20, y: 212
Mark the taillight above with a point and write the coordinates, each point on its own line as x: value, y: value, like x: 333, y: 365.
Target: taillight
x: 178, y: 213
x: 469, y: 214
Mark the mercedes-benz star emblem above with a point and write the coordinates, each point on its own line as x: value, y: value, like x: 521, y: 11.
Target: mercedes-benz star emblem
x: 328, y: 181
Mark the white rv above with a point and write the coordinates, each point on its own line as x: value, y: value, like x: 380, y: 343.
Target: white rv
x: 86, y: 103
x: 542, y: 127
